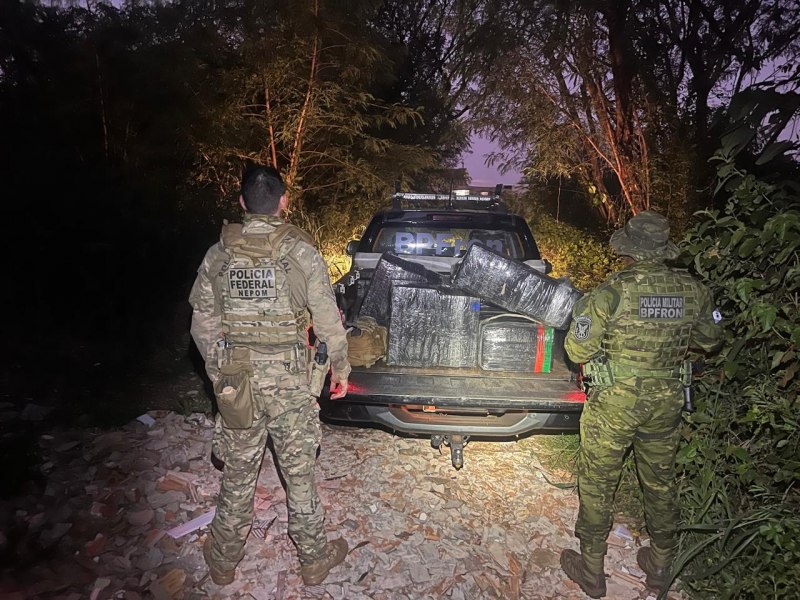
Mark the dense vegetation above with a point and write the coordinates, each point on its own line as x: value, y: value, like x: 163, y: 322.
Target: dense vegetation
x: 740, y: 459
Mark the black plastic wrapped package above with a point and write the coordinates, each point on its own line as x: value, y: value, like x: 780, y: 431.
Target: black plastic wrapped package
x: 432, y: 327
x: 512, y: 343
x: 508, y: 346
x: 515, y: 286
x: 390, y: 271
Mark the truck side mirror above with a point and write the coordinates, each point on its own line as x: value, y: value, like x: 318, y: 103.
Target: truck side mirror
x: 351, y: 247
x: 548, y: 267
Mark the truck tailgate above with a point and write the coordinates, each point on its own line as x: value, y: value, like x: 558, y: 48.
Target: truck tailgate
x: 465, y: 388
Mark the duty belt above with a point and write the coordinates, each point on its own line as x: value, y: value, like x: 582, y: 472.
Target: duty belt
x: 292, y: 357
x: 625, y: 371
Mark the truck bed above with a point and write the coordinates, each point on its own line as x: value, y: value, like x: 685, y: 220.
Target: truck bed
x: 419, y: 250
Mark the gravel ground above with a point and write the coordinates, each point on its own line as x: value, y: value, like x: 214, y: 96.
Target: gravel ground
x: 105, y: 521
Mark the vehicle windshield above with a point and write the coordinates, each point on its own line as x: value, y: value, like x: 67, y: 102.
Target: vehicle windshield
x: 444, y: 240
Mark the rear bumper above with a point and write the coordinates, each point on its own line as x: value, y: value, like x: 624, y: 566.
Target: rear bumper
x: 472, y: 402
x: 414, y: 420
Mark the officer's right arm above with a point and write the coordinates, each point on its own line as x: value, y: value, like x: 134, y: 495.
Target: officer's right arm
x: 589, y: 317
x: 207, y: 314
x: 707, y: 335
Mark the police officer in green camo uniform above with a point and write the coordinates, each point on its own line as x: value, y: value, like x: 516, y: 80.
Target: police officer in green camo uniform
x: 634, y: 331
x: 251, y: 301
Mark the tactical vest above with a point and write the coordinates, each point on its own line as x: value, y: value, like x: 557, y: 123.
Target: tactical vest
x: 254, y: 288
x: 650, y: 330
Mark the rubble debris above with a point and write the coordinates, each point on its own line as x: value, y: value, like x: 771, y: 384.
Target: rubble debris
x: 35, y: 412
x: 179, y: 482
x: 140, y: 517
x: 280, y: 586
x: 193, y: 525
x: 124, y: 513
x: 170, y: 586
x: 622, y: 532
x: 146, y: 419
x: 261, y: 527
x: 620, y: 574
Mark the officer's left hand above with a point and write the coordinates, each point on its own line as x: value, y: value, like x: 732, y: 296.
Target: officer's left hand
x: 338, y: 387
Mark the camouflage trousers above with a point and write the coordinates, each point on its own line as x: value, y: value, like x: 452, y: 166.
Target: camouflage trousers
x: 287, y: 413
x: 644, y: 414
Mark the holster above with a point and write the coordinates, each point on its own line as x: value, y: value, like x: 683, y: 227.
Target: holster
x: 235, y: 395
x: 316, y: 376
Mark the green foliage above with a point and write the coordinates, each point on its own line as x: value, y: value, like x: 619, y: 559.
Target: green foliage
x: 573, y: 252
x: 671, y: 183
x: 332, y: 229
x: 740, y: 457
x: 558, y: 453
x: 424, y: 73
x: 305, y: 88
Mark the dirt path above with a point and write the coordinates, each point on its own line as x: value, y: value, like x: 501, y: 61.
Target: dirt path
x: 99, y: 527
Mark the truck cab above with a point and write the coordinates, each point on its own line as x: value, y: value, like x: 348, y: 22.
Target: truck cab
x: 498, y: 397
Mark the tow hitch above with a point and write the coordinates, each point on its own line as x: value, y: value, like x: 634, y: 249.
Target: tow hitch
x: 456, y: 443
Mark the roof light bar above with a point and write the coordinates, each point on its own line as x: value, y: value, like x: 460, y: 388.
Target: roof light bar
x: 456, y: 196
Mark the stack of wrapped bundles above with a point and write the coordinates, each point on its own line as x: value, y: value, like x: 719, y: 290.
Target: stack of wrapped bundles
x: 509, y: 344
x: 432, y: 327
x: 391, y: 271
x: 515, y: 287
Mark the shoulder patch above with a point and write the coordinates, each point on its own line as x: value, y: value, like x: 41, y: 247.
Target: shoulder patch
x: 582, y: 326
x: 716, y: 315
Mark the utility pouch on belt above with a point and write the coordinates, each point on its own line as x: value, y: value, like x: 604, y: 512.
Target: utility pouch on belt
x: 318, y: 369
x: 597, y: 373
x: 235, y: 396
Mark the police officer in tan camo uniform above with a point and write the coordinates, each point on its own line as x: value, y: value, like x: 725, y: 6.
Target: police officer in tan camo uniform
x: 251, y: 299
x: 634, y: 331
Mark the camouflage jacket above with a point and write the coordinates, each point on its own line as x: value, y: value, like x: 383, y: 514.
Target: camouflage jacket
x: 599, y: 311
x: 316, y: 295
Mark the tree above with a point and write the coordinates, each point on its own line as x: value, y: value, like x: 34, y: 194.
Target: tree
x: 569, y: 78
x: 95, y: 108
x: 426, y: 63
x: 700, y: 54
x: 297, y: 96
x: 613, y: 92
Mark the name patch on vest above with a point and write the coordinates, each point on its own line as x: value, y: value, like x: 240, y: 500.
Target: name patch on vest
x: 661, y: 307
x: 252, y: 282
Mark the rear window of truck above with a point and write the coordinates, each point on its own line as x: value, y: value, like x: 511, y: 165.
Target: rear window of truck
x: 444, y: 240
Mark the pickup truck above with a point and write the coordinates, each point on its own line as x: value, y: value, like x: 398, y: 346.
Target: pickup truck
x: 451, y: 405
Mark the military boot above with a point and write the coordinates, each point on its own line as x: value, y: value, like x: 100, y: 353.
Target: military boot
x: 656, y: 575
x: 218, y: 575
x: 315, y: 573
x: 592, y: 584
